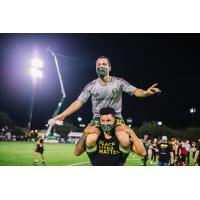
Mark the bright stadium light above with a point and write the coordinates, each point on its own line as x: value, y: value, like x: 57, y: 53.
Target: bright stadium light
x: 160, y: 123
x: 37, y: 63
x: 192, y: 110
x: 36, y: 73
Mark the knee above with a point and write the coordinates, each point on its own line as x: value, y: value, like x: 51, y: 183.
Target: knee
x: 123, y: 138
x: 91, y: 140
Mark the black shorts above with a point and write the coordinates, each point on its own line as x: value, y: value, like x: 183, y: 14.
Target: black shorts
x: 39, y: 150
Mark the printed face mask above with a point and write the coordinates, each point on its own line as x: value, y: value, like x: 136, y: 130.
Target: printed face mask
x: 107, y: 128
x: 102, y: 72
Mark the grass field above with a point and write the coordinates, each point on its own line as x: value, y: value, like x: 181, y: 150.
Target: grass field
x: 21, y: 154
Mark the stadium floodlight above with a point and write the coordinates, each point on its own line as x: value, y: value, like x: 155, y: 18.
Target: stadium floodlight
x: 37, y: 63
x: 36, y: 73
x: 192, y: 110
x: 160, y: 123
x: 35, y: 70
x: 79, y: 119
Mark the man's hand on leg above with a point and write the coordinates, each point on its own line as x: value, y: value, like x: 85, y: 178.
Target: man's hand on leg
x: 81, y: 144
x: 92, y: 135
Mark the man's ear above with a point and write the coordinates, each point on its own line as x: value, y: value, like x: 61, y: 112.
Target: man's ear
x: 114, y: 120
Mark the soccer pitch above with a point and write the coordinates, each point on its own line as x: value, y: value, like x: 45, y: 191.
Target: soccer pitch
x: 21, y: 154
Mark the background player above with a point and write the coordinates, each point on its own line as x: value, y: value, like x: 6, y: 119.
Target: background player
x: 39, y: 149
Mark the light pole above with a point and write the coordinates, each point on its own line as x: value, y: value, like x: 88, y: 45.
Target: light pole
x: 36, y: 73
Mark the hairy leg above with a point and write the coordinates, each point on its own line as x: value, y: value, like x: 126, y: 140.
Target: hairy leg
x: 123, y: 138
x: 91, y: 140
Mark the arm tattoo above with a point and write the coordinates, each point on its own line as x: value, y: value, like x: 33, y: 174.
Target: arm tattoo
x: 80, y: 145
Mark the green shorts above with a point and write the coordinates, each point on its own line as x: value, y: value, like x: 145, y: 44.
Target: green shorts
x: 118, y: 122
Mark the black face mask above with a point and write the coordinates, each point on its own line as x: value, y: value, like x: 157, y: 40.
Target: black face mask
x: 102, y: 72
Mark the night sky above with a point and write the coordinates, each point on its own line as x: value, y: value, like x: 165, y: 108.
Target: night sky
x: 172, y: 60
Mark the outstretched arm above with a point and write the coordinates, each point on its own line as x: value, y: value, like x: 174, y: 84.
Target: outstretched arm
x: 76, y: 105
x: 149, y: 92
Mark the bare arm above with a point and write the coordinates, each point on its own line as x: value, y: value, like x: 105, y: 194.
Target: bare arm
x: 80, y: 145
x: 141, y: 93
x: 137, y: 146
x: 76, y: 105
x: 149, y: 92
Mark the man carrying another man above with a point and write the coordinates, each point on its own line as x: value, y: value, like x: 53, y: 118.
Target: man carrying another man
x: 102, y: 145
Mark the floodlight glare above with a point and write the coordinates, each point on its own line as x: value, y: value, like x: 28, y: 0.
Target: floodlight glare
x: 160, y: 123
x: 36, y: 73
x: 36, y: 62
x: 192, y: 110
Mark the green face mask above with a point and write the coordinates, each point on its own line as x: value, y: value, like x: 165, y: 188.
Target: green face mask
x: 107, y: 128
x: 102, y: 72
